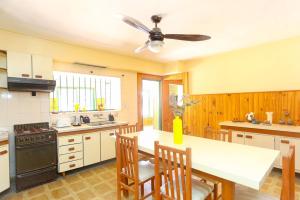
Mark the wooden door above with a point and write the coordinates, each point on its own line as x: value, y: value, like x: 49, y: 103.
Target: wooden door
x: 91, y: 148
x: 167, y: 115
x: 4, y: 172
x: 108, y: 145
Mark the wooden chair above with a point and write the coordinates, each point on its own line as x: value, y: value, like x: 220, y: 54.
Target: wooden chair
x: 288, y: 182
x: 132, y: 174
x: 177, y: 175
x: 221, y: 135
x: 125, y: 129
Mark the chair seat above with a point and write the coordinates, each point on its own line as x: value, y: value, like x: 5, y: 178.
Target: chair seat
x: 200, y: 190
x: 146, y: 170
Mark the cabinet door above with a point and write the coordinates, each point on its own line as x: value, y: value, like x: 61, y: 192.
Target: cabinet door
x: 238, y: 137
x: 42, y: 67
x: 18, y: 65
x: 260, y: 140
x: 108, y: 145
x: 4, y: 170
x: 91, y: 148
x: 282, y: 144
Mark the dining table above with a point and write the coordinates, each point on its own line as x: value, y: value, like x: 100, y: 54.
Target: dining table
x: 225, y: 162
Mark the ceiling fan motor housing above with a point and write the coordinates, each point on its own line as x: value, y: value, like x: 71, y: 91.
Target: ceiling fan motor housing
x: 156, y: 34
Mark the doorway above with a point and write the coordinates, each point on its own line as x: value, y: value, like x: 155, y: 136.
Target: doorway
x: 151, y: 104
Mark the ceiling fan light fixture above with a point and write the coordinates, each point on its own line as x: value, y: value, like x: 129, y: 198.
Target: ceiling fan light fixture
x: 155, y: 46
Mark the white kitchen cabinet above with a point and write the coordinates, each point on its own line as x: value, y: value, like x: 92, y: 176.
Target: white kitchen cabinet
x: 4, y: 169
x: 19, y: 65
x: 91, y: 148
x: 42, y: 67
x: 108, y: 145
x: 282, y: 144
x: 238, y: 137
x: 260, y: 140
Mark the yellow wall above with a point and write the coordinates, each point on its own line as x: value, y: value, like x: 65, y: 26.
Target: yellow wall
x: 71, y: 53
x: 269, y: 67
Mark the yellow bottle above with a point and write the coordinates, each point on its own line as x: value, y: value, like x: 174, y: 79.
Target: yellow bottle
x: 177, y: 130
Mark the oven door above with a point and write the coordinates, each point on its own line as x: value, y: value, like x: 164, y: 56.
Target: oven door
x: 36, y: 156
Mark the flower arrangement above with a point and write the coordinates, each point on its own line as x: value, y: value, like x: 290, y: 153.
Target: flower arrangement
x: 178, y: 106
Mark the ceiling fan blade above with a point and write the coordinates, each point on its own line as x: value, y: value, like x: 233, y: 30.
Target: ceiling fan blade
x: 142, y: 48
x: 187, y: 37
x: 135, y: 23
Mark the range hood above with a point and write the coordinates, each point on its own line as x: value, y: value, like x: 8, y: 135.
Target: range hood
x: 30, y: 85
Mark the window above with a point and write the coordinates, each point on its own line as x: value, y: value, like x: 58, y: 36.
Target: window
x: 84, y: 92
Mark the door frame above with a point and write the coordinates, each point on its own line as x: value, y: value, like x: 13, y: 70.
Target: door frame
x: 140, y: 78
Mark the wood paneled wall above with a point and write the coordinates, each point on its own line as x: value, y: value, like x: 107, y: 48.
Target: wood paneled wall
x: 216, y: 108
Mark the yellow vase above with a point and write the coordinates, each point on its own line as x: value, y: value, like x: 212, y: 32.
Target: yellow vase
x: 177, y: 130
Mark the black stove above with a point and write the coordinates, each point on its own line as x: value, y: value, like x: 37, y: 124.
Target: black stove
x: 36, y: 154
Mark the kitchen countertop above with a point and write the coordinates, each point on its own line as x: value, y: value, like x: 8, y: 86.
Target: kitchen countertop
x: 87, y: 127
x: 273, y: 127
x: 3, y: 136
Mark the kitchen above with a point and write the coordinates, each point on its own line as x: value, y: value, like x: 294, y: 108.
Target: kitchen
x: 66, y: 97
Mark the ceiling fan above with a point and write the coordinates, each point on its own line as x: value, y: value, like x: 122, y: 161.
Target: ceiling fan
x: 156, y: 37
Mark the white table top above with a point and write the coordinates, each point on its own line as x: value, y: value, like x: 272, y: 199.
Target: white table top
x: 242, y: 164
x: 273, y: 127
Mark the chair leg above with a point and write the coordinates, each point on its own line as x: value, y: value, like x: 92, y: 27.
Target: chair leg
x: 208, y: 197
x: 142, y: 191
x: 152, y: 184
x: 118, y: 189
x: 216, y: 191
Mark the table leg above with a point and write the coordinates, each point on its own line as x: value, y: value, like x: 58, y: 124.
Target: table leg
x: 228, y: 190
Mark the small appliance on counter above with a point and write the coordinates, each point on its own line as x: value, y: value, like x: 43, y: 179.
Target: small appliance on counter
x: 251, y: 118
x: 85, y: 119
x: 63, y: 122
x: 76, y: 121
x: 111, y: 117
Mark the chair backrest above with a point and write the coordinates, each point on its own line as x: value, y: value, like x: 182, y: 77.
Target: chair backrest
x: 128, y: 129
x: 176, y: 171
x: 127, y: 157
x: 288, y: 175
x: 222, y: 135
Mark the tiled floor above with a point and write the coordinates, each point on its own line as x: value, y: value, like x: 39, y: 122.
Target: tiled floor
x: 99, y: 183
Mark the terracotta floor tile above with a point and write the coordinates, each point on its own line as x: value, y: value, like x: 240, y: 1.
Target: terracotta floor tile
x: 40, y: 197
x: 60, y: 193
x: 86, y: 194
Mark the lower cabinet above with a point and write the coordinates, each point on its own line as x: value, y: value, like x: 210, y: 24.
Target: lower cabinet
x: 282, y: 144
x: 260, y: 140
x: 91, y: 148
x: 238, y: 137
x: 4, y: 169
x: 108, y: 145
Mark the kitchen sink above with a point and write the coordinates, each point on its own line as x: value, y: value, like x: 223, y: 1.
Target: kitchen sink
x: 100, y: 123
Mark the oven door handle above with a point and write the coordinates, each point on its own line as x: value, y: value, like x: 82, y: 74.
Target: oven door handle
x: 35, y: 145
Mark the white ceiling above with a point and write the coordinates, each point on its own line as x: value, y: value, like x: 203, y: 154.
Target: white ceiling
x: 232, y: 24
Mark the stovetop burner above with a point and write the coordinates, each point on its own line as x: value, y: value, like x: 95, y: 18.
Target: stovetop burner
x: 24, y: 129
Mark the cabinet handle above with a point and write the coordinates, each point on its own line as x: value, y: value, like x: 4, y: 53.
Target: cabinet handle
x: 248, y: 136
x: 111, y: 134
x: 87, y: 138
x: 71, y: 157
x: 71, y: 140
x: 285, y: 141
x: 38, y: 76
x: 3, y: 152
x: 71, y: 149
x: 25, y: 75
x: 72, y: 165
x: 239, y: 135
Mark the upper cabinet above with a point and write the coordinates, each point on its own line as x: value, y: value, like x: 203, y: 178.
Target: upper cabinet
x: 42, y: 67
x: 18, y: 65
x: 22, y: 65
